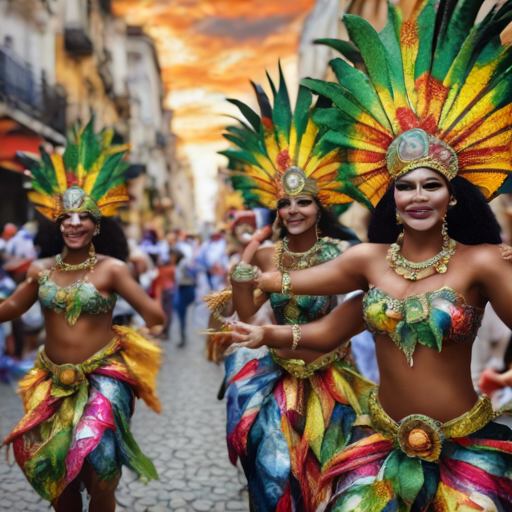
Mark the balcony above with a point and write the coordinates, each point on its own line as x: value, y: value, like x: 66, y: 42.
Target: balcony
x: 22, y: 89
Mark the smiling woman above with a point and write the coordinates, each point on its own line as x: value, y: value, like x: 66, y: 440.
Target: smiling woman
x: 79, y: 395
x: 426, y: 143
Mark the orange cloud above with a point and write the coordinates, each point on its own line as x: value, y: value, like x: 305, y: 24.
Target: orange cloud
x: 216, y: 46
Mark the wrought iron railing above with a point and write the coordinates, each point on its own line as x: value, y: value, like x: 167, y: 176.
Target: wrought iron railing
x: 21, y: 88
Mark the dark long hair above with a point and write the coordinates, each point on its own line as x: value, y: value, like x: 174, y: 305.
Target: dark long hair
x: 328, y: 225
x: 111, y: 241
x: 471, y: 221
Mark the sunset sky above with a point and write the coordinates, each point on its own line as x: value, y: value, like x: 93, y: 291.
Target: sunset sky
x: 209, y: 50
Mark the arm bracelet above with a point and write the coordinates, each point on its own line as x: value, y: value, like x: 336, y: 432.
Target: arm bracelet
x: 244, y: 272
x: 296, y: 332
x: 286, y: 283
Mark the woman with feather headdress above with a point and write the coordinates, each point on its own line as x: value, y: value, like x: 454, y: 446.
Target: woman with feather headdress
x: 426, y: 142
x: 285, y: 407
x: 79, y: 396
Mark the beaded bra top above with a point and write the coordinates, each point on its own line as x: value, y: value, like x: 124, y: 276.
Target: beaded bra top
x: 73, y: 300
x: 428, y: 318
x: 301, y: 309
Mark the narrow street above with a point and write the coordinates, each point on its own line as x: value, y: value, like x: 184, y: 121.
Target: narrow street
x: 186, y: 442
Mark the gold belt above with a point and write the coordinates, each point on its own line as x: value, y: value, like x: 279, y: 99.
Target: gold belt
x: 420, y: 436
x: 299, y: 369
x: 69, y: 375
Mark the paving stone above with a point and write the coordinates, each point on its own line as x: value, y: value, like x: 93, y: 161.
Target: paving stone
x: 157, y: 508
x: 235, y: 505
x: 178, y: 502
x: 202, y: 505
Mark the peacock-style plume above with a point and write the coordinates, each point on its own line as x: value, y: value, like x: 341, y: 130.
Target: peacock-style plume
x: 438, y: 94
x: 89, y: 176
x: 283, y: 153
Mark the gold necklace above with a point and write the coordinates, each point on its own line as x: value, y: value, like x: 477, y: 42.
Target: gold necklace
x: 306, y: 258
x: 89, y: 263
x: 416, y: 271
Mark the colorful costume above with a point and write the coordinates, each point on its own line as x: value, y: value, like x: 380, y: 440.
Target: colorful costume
x: 438, y: 96
x: 81, y: 412
x: 285, y: 417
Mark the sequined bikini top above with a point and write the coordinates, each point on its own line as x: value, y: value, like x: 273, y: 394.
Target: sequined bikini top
x: 428, y: 318
x: 72, y: 300
x: 300, y: 309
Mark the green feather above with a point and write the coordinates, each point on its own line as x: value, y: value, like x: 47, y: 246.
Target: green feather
x: 301, y: 114
x: 271, y: 83
x: 108, y: 176
x: 362, y: 92
x: 347, y: 49
x: 282, y: 113
x: 452, y: 38
x: 426, y: 23
x: 372, y: 50
x: 410, y: 476
x: 248, y: 113
x: 45, y: 180
x: 390, y: 41
x: 71, y: 156
x: 90, y: 150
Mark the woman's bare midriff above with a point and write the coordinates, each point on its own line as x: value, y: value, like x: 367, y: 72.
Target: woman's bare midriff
x: 76, y: 343
x: 438, y: 384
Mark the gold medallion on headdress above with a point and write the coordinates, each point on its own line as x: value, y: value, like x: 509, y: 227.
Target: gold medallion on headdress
x: 88, y: 177
x: 283, y: 154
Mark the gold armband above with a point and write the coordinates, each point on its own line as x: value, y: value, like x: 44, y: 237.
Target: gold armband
x: 286, y: 284
x: 296, y: 332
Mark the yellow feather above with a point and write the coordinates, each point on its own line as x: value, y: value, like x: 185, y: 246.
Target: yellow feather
x: 306, y: 144
x: 60, y: 172
x: 81, y: 174
x: 293, y: 144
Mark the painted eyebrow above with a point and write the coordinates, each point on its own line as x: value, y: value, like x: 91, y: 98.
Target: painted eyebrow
x: 430, y: 179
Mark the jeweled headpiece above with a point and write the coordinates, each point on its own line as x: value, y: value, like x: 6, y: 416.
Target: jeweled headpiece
x: 283, y: 154
x: 88, y: 177
x: 439, y: 95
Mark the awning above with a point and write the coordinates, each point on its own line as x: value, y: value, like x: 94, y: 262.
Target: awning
x: 15, y: 137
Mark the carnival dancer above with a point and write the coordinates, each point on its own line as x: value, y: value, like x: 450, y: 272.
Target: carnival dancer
x: 427, y: 140
x: 286, y: 406
x: 79, y: 396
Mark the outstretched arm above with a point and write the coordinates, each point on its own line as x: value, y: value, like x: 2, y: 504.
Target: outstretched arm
x: 24, y: 296
x: 125, y: 285
x: 323, y: 335
x: 344, y: 274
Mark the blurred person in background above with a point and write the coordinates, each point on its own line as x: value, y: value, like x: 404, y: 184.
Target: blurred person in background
x: 185, y: 291
x: 86, y: 377
x: 164, y: 285
x: 212, y: 258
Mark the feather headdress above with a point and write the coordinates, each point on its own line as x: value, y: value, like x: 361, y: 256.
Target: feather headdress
x: 89, y: 176
x: 283, y: 153
x: 439, y: 95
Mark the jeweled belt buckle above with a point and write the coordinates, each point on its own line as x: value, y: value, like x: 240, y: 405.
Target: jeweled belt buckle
x: 67, y: 375
x: 420, y: 436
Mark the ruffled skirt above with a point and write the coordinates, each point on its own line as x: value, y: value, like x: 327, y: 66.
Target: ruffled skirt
x: 425, y: 466
x: 81, y: 412
x: 286, y: 419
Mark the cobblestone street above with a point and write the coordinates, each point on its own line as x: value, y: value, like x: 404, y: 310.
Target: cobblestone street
x: 186, y: 443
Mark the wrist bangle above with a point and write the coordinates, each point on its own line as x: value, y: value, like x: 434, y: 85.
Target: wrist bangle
x: 296, y: 332
x: 244, y: 272
x: 286, y: 284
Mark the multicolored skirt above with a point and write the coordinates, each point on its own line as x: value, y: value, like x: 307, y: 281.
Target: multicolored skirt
x: 421, y: 465
x: 285, y: 419
x: 81, y: 412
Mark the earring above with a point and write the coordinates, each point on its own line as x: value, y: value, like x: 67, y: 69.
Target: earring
x: 96, y: 230
x: 444, y: 230
x: 398, y: 218
x: 453, y: 202
x: 62, y: 228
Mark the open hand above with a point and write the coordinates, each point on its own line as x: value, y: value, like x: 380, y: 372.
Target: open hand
x: 269, y: 282
x: 506, y: 252
x: 245, y: 335
x: 259, y: 236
